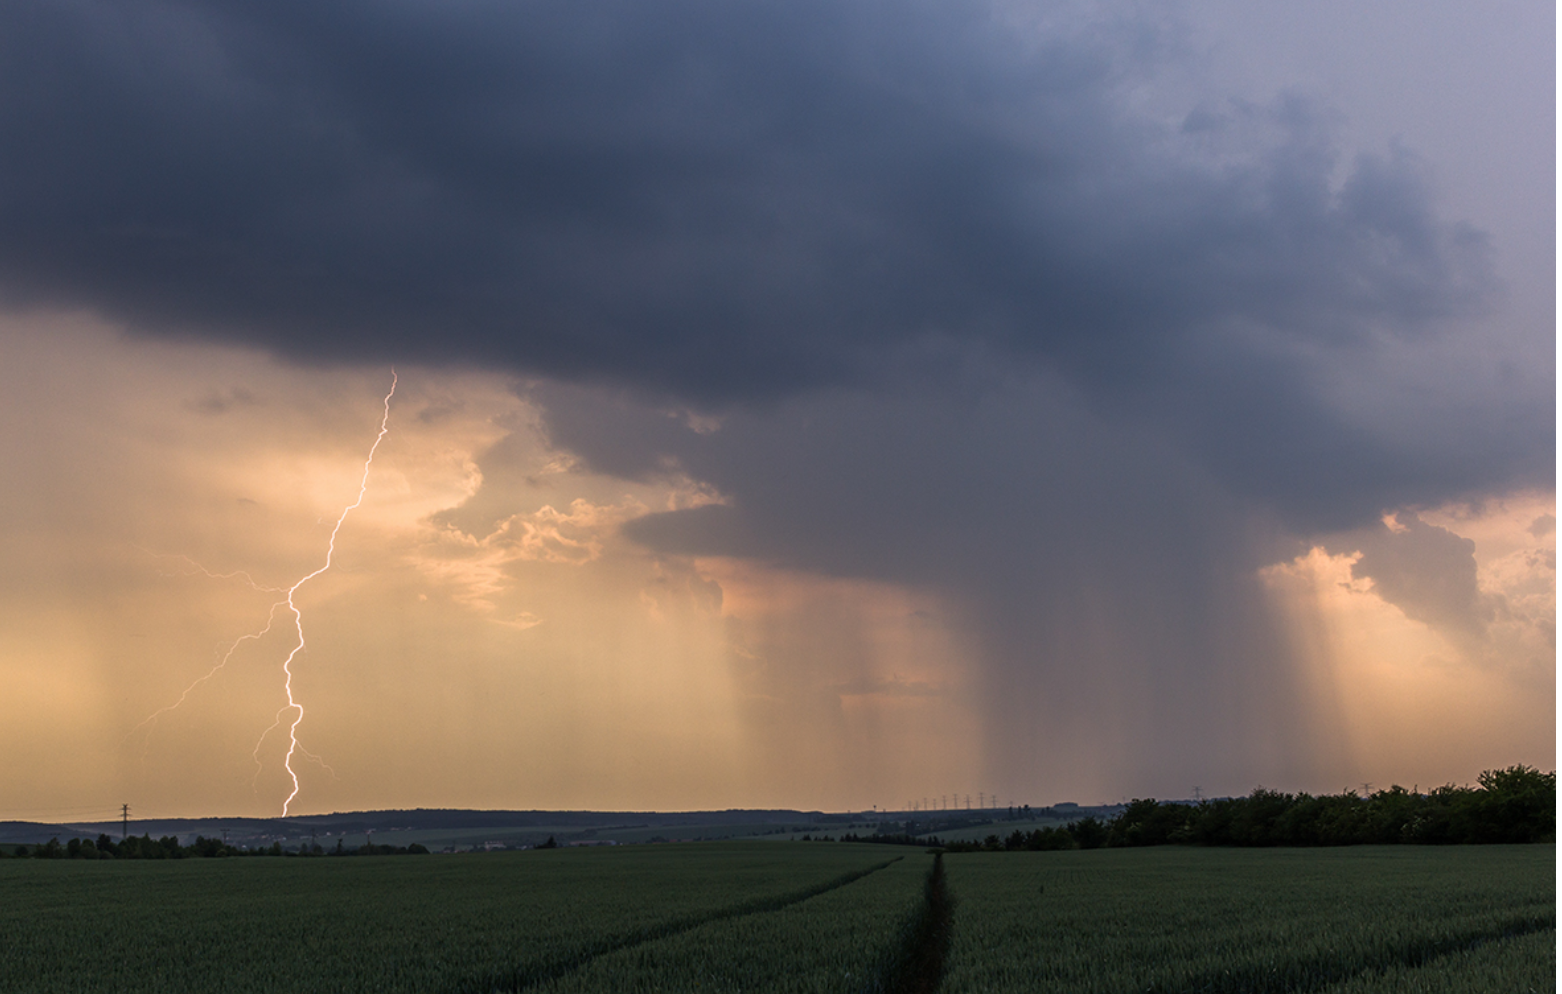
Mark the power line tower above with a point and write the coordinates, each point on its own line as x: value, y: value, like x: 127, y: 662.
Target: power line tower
x: 124, y: 831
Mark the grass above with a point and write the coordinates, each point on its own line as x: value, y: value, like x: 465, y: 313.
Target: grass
x: 781, y: 919
x: 846, y: 940
x: 1522, y: 964
x: 386, y: 924
x: 1002, y: 829
x: 1222, y: 920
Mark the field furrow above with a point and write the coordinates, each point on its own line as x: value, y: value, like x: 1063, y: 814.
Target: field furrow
x: 775, y: 918
x: 403, y: 924
x: 849, y: 940
x: 531, y: 974
x: 1520, y: 964
x: 1171, y: 919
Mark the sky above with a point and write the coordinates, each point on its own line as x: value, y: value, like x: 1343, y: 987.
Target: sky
x: 823, y: 404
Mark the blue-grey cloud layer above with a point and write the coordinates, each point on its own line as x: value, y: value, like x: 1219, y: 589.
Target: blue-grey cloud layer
x: 718, y: 199
x: 980, y: 320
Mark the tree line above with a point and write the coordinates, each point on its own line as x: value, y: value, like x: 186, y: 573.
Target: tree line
x: 168, y: 847
x: 1513, y: 805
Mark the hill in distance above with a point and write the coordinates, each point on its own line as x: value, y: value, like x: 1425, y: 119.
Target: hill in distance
x: 453, y: 829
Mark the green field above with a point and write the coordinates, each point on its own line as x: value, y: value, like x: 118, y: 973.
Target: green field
x: 751, y: 916
x: 1357, y: 919
x: 1002, y: 829
x: 841, y: 941
x: 428, y: 923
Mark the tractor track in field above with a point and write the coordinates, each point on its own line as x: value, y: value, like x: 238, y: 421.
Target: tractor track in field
x: 1304, y: 976
x: 918, y: 968
x: 531, y: 974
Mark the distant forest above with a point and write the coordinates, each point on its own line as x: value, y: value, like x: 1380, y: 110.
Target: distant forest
x: 1513, y: 805
x: 168, y: 847
x: 1517, y: 804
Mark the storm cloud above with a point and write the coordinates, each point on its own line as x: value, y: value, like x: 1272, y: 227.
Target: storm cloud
x: 722, y: 200
x: 1426, y: 571
x: 1002, y: 304
x: 725, y: 203
x: 1105, y: 581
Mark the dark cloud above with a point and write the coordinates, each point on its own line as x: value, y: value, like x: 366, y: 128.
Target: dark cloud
x: 721, y: 200
x: 222, y: 401
x: 1104, y: 581
x: 1427, y: 572
x: 976, y: 316
x: 729, y: 203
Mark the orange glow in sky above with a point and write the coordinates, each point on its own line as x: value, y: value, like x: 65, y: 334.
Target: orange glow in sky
x: 486, y: 637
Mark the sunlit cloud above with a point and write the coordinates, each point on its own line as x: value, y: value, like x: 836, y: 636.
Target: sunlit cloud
x: 1420, y: 681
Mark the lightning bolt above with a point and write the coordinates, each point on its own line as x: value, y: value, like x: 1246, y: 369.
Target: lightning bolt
x: 293, y: 705
x: 195, y: 567
x: 298, y: 616
x: 232, y: 648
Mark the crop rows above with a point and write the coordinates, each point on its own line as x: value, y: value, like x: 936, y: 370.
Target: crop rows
x: 1515, y: 965
x: 1340, y: 920
x: 386, y: 925
x: 771, y: 918
x: 845, y: 940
